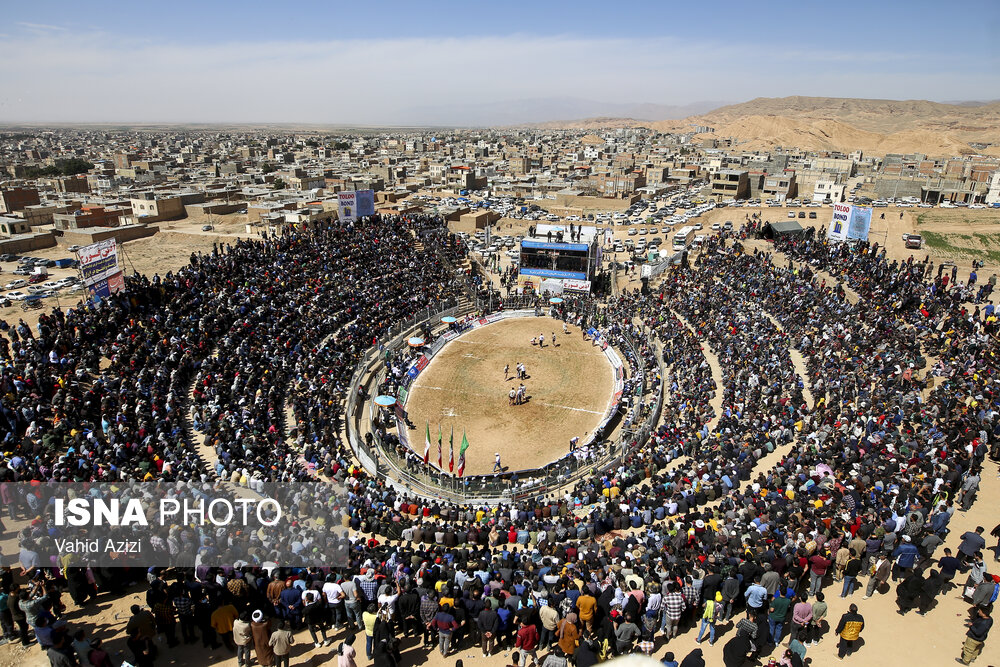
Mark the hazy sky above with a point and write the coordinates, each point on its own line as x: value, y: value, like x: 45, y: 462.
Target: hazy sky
x: 398, y: 62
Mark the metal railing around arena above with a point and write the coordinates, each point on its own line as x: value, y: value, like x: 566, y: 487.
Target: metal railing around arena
x: 431, y: 483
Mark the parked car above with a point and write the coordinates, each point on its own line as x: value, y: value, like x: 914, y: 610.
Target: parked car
x: 74, y: 247
x: 16, y: 296
x: 16, y: 284
x: 812, y: 215
x: 22, y: 272
x: 36, y: 278
x: 791, y: 214
x: 206, y: 228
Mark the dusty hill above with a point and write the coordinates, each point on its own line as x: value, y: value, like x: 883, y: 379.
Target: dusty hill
x: 879, y: 126
x: 836, y: 124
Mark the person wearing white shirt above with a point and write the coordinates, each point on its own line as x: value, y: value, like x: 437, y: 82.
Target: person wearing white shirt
x: 334, y: 595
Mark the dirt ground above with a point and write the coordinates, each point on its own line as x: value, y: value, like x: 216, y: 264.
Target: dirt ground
x: 168, y: 250
x: 953, y: 235
x: 569, y: 387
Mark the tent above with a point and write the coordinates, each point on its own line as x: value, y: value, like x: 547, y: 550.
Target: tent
x: 773, y: 230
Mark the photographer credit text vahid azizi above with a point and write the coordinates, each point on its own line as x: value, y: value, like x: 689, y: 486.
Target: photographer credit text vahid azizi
x: 114, y: 512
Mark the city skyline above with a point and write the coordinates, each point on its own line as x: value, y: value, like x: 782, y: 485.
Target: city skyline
x: 468, y: 65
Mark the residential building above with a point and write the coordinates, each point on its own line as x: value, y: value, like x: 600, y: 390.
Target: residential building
x: 824, y: 190
x: 780, y: 186
x: 17, y: 198
x: 993, y: 194
x: 90, y: 216
x: 68, y: 184
x: 10, y: 226
x: 153, y: 207
x: 730, y: 184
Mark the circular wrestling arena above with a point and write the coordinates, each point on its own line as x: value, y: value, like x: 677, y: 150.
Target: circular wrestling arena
x: 570, y: 390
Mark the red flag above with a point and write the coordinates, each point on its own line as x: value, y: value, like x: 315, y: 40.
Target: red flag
x: 427, y: 444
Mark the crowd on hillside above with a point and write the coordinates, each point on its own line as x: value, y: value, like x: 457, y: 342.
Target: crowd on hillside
x: 865, y: 469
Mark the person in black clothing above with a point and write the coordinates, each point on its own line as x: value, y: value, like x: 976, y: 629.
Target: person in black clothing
x: 909, y: 591
x: 585, y: 655
x: 409, y: 612
x: 734, y: 653
x: 489, y: 627
x: 932, y: 586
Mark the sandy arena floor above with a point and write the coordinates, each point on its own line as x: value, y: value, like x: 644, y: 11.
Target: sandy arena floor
x: 569, y: 388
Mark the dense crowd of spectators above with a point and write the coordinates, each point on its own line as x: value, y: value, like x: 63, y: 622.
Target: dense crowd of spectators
x: 865, y: 470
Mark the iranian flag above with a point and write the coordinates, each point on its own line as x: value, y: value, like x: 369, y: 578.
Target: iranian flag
x: 461, y: 455
x: 440, y: 466
x: 451, y: 451
x: 427, y: 444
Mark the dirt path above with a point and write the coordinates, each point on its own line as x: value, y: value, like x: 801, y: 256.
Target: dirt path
x: 799, y: 362
x: 714, y: 365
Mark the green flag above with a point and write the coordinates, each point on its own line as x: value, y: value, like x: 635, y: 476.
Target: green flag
x: 461, y: 453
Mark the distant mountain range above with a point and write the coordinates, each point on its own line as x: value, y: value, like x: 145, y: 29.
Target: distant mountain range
x: 540, y: 110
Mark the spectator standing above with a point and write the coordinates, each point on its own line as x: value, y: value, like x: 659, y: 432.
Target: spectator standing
x: 849, y: 629
x: 979, y: 628
x: 281, y: 643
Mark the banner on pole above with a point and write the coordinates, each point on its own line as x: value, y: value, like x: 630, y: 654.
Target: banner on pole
x: 861, y: 222
x: 840, y: 222
x: 98, y: 261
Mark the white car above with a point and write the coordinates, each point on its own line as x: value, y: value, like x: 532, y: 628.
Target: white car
x: 16, y: 284
x: 16, y: 296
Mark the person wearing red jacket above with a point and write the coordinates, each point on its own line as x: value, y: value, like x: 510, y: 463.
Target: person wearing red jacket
x: 527, y: 642
x: 818, y: 565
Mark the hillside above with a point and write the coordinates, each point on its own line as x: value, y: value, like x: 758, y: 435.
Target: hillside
x: 837, y: 124
x: 879, y: 126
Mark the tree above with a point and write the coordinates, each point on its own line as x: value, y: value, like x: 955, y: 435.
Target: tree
x: 278, y: 184
x: 70, y: 167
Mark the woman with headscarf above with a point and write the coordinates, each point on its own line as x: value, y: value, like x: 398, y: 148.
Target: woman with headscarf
x: 734, y: 653
x: 694, y: 659
x: 567, y: 634
x: 261, y: 630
